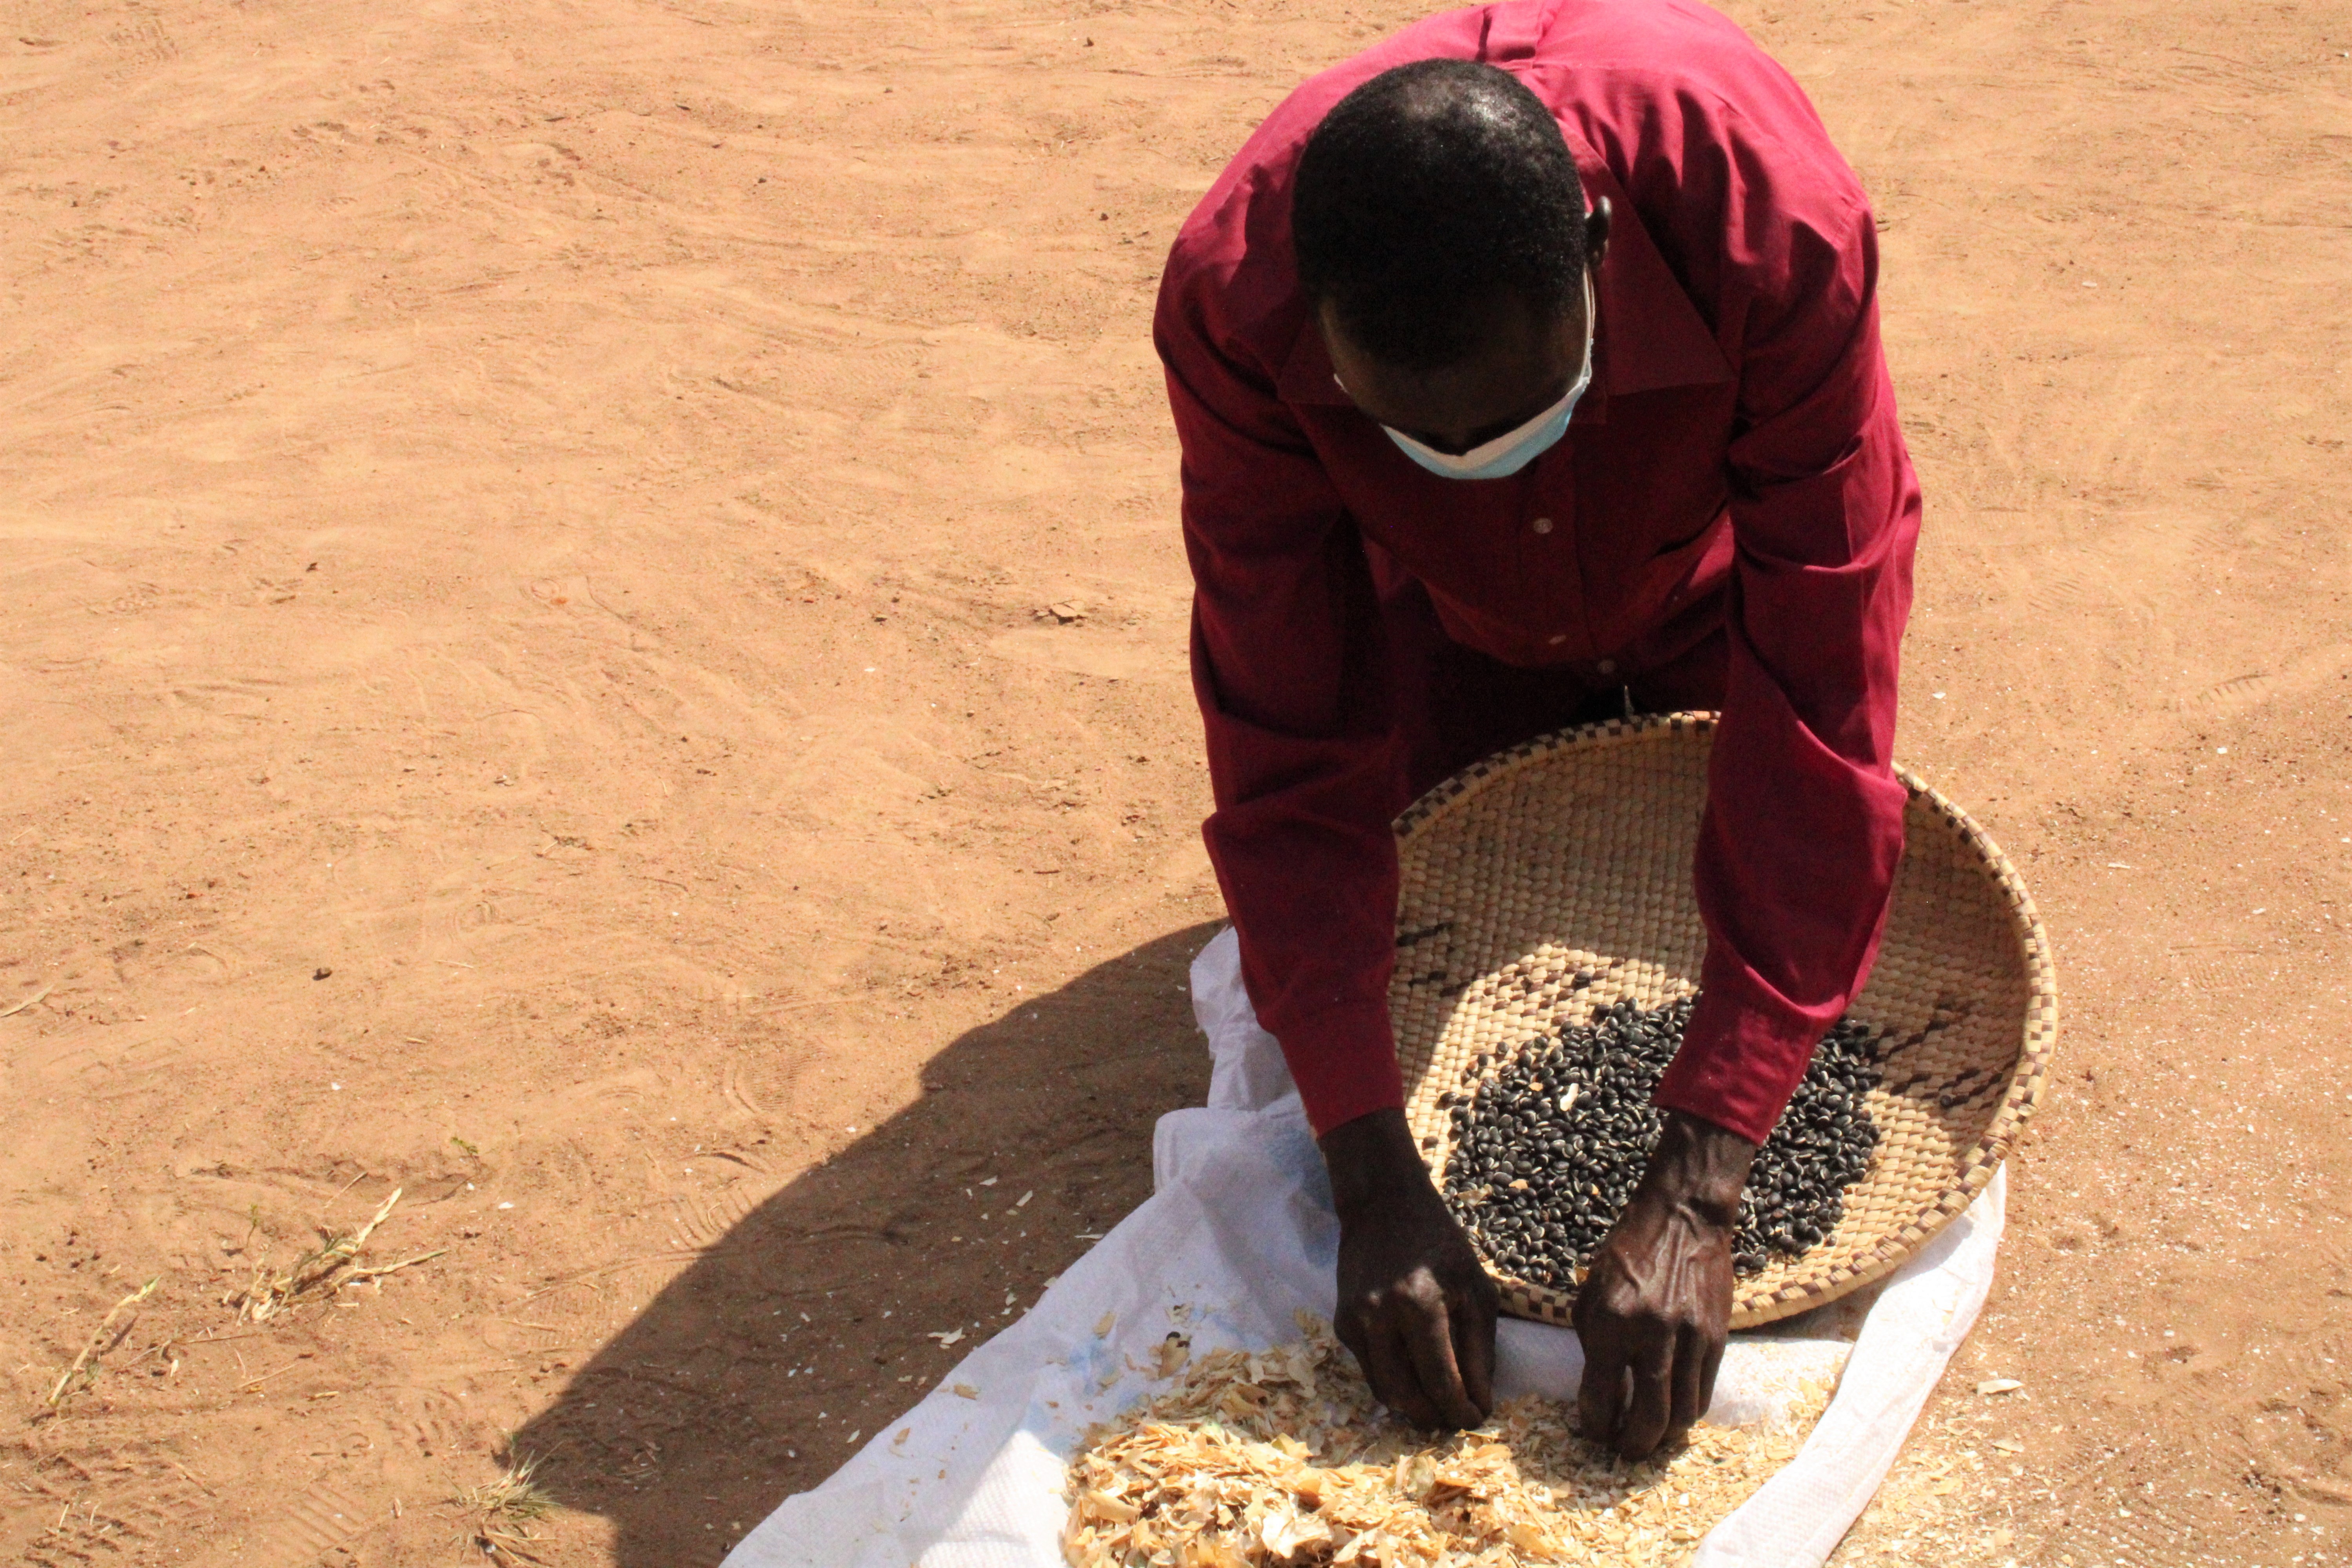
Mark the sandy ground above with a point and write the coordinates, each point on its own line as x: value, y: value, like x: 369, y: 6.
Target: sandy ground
x: 528, y: 530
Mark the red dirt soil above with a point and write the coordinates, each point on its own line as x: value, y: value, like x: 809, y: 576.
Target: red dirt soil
x: 528, y: 533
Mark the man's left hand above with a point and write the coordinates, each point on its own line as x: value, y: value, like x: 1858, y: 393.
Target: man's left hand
x: 1656, y: 1305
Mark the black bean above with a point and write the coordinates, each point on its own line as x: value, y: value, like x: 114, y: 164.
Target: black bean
x: 1580, y: 1165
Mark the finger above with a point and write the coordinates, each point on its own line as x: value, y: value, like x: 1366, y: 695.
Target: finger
x: 1713, y: 1364
x: 1390, y: 1371
x: 1601, y: 1396
x: 1429, y: 1341
x: 1644, y: 1422
x: 1689, y: 1373
x: 1348, y: 1325
x: 1473, y: 1351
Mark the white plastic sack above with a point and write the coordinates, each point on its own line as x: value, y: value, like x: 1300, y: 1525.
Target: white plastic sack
x: 1237, y: 1236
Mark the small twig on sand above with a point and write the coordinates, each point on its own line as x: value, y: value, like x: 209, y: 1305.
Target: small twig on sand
x: 100, y: 1343
x: 15, y: 1007
x: 264, y: 1377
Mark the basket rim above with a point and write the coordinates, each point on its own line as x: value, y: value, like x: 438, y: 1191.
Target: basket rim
x: 1974, y: 1166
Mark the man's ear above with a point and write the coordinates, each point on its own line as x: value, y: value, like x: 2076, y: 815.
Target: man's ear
x: 1596, y: 231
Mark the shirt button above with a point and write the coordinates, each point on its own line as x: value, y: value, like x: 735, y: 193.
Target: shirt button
x: 1555, y: 641
x: 1607, y: 666
x: 1541, y: 525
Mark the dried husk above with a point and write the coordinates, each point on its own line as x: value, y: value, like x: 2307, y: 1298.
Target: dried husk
x: 1283, y: 1457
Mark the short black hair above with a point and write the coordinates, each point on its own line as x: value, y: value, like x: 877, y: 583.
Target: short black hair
x: 1424, y: 195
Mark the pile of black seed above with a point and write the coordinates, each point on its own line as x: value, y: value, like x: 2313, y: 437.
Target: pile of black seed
x: 1548, y: 1149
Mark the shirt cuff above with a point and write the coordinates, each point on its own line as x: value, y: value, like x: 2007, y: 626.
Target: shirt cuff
x: 1344, y: 1063
x: 1738, y: 1064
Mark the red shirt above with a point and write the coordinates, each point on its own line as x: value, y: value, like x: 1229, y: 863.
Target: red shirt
x: 1738, y: 447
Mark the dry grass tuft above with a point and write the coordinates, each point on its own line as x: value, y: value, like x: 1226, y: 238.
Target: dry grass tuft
x: 319, y: 1273
x: 504, y: 1508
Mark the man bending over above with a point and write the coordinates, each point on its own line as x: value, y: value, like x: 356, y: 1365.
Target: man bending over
x: 1527, y: 369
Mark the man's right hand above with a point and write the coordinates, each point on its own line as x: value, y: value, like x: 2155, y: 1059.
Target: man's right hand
x: 1415, y: 1306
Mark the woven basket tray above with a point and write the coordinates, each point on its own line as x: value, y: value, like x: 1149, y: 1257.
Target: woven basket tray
x: 1550, y: 881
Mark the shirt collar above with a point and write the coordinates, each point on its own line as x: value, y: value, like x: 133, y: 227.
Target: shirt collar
x: 1649, y: 335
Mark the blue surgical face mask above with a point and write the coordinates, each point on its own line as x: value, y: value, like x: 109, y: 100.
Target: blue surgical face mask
x: 1509, y: 453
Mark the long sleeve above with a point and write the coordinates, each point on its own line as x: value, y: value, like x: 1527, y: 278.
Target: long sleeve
x: 1290, y: 676
x: 1804, y: 821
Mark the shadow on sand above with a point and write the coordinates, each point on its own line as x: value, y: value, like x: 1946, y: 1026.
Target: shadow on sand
x: 721, y: 1398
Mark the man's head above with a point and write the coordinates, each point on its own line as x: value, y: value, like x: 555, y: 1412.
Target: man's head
x: 1442, y: 241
